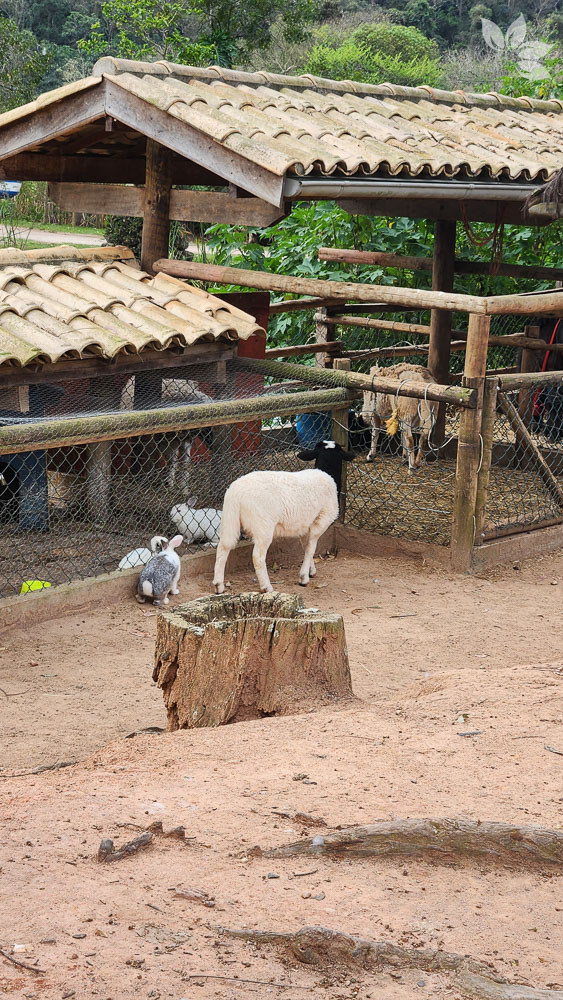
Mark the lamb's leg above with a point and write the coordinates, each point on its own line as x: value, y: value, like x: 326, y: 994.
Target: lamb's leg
x: 319, y: 525
x: 408, y: 446
x: 259, y: 553
x: 375, y: 425
x: 220, y: 563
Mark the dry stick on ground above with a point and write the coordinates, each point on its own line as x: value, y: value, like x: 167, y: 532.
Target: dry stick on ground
x: 238, y: 979
x: 436, y: 838
x: 22, y: 965
x: 323, y: 947
x: 106, y: 852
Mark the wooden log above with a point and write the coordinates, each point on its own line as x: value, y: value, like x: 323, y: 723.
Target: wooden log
x: 111, y: 426
x: 297, y: 305
x: 528, y: 363
x: 156, y: 209
x: 331, y: 347
x: 418, y: 298
x: 425, y: 264
x: 377, y: 324
x: 528, y: 449
x: 321, y: 337
x: 503, y: 531
x: 436, y: 839
x: 469, y: 446
x: 340, y: 435
x: 441, y: 319
x: 228, y: 659
x: 398, y: 352
x: 324, y: 948
x: 487, y: 431
x: 519, y: 381
x: 457, y: 395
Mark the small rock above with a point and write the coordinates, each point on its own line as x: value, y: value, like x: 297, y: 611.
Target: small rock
x: 554, y: 583
x: 318, y: 841
x: 48, y: 941
x: 305, y: 895
x: 78, y: 936
x: 319, y: 895
x: 272, y: 875
x: 421, y: 982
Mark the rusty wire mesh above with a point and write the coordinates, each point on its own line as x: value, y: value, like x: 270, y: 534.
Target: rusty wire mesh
x: 520, y: 493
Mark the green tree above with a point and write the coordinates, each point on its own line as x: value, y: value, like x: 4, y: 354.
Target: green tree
x: 23, y: 63
x: 147, y: 29
x: 236, y: 28
x: 380, y: 53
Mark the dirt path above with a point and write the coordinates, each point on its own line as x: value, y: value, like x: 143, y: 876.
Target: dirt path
x: 52, y: 239
x: 465, y: 655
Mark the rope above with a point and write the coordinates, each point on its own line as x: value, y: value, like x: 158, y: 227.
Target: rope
x: 496, y: 238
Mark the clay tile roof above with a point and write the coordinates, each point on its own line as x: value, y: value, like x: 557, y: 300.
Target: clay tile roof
x: 308, y: 125
x: 73, y: 303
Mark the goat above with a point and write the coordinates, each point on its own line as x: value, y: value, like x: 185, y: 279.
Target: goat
x: 268, y: 505
x: 410, y: 414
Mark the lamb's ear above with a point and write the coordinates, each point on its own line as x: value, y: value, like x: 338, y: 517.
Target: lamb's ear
x: 348, y: 456
x: 175, y: 542
x: 307, y: 455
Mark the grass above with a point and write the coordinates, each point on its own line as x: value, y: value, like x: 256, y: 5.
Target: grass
x: 53, y: 227
x: 33, y: 245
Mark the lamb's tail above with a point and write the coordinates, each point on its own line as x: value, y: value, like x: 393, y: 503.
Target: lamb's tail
x: 229, y: 531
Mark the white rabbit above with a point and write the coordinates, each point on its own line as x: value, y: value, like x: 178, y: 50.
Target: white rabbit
x: 199, y: 524
x: 161, y: 575
x: 141, y: 556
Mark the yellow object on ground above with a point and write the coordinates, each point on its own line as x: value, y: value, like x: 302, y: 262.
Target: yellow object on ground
x: 392, y: 424
x: 28, y: 585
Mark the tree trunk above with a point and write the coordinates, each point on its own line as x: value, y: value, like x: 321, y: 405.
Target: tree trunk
x: 228, y: 659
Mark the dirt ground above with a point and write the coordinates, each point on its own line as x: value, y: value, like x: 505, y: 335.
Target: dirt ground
x: 433, y: 657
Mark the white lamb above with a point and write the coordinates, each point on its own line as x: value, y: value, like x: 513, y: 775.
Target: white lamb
x: 268, y: 505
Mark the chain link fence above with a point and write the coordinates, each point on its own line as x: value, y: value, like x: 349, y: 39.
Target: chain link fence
x: 526, y: 476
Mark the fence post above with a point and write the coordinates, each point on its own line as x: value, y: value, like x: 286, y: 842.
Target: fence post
x: 340, y: 434
x: 528, y: 363
x: 321, y: 336
x: 487, y: 427
x: 469, y: 444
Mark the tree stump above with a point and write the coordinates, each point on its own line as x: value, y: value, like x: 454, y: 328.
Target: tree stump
x: 229, y: 659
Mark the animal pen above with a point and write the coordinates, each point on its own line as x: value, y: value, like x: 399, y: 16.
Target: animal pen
x: 127, y: 395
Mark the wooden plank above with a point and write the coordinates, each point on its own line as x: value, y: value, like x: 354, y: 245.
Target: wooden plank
x: 63, y: 371
x: 398, y: 352
x: 469, y: 446
x: 528, y: 449
x: 445, y: 211
x: 440, y: 319
x: 322, y: 358
x: 419, y: 298
x: 193, y: 206
x: 66, y: 431
x: 156, y: 210
x: 509, y: 382
x: 117, y: 169
x: 519, y: 529
x: 377, y: 324
x: 297, y: 305
x: 377, y: 258
x: 180, y: 137
x: 67, y: 116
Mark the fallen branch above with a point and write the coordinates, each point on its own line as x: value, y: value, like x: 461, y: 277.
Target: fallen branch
x: 22, y: 965
x: 323, y: 947
x: 107, y: 853
x: 238, y: 979
x: 437, y: 838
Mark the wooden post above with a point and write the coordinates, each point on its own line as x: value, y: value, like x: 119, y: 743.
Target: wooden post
x: 340, y: 435
x: 528, y: 363
x: 156, y: 218
x: 469, y: 445
x: 487, y: 427
x: 98, y: 466
x: 441, y: 319
x: 321, y: 337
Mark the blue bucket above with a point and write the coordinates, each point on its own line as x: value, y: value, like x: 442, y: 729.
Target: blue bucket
x: 313, y: 427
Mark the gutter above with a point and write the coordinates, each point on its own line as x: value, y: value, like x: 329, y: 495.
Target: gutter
x: 453, y: 190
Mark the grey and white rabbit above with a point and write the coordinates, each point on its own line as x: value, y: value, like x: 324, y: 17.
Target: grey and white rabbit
x: 161, y: 575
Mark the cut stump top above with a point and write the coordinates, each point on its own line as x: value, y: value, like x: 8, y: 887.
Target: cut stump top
x: 232, y: 658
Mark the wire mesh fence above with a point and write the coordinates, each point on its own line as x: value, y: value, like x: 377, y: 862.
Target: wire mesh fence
x: 526, y: 478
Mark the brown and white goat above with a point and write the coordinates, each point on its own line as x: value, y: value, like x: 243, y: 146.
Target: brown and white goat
x: 412, y: 414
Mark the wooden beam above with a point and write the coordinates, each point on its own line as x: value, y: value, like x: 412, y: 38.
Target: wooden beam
x: 156, y: 215
x: 297, y: 305
x: 416, y: 297
x: 65, y: 117
x: 187, y: 141
x: 377, y: 324
x: 331, y: 347
x: 443, y: 211
x: 425, y: 264
x: 65, y: 371
x: 523, y: 381
x: 114, y: 168
x: 192, y: 206
x: 469, y: 446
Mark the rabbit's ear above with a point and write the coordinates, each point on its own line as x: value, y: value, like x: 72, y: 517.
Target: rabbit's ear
x: 175, y: 542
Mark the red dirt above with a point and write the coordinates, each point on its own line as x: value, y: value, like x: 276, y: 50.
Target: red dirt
x: 425, y: 648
